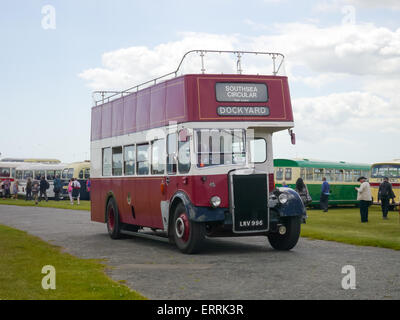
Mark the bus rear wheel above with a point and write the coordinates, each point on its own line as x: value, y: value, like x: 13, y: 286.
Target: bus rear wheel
x: 112, y: 219
x: 187, y: 235
x: 290, y: 238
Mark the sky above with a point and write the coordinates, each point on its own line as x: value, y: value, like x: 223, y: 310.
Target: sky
x: 342, y: 59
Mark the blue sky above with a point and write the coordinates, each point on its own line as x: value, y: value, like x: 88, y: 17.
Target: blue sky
x: 48, y: 75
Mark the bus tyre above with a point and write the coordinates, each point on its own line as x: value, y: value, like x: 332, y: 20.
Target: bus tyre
x: 288, y: 240
x: 187, y: 235
x: 113, y: 224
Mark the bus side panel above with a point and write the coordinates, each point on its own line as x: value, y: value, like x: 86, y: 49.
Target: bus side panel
x: 98, y: 198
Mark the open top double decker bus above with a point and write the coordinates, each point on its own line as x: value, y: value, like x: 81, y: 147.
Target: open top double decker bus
x: 190, y: 156
x: 391, y: 170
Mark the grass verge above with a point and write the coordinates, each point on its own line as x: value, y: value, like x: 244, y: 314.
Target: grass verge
x: 344, y: 225
x: 22, y: 258
x: 63, y: 204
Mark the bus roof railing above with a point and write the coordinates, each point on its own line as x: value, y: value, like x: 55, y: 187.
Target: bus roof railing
x: 107, y: 96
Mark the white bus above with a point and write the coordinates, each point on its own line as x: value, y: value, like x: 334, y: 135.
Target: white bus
x: 36, y: 171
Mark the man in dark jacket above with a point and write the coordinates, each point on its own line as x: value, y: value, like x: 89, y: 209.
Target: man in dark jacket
x: 385, y: 193
x: 57, y: 188
x: 44, y: 185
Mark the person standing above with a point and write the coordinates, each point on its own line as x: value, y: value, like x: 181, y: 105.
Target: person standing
x: 325, y: 192
x: 44, y: 185
x: 28, y: 189
x: 76, y: 189
x: 35, y: 191
x: 302, y: 190
x: 6, y: 184
x: 70, y: 191
x: 385, y: 193
x: 365, y: 198
x: 15, y: 189
x: 57, y: 188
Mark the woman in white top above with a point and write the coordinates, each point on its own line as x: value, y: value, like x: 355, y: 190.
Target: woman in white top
x: 365, y: 198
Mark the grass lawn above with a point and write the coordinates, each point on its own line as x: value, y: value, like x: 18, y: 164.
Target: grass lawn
x: 64, y: 204
x: 344, y: 225
x: 22, y: 258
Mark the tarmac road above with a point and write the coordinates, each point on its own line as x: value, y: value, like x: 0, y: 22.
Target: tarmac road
x: 228, y: 268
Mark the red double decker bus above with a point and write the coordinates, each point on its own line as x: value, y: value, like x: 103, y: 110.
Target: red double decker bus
x: 189, y: 156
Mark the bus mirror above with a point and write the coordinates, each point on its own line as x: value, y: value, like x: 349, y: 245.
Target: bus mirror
x: 292, y: 136
x: 183, y: 135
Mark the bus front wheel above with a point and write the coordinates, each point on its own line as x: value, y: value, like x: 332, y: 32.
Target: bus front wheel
x: 187, y: 235
x: 113, y: 223
x: 289, y: 239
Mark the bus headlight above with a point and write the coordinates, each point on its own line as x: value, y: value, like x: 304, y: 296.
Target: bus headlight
x: 283, y: 198
x: 215, y: 201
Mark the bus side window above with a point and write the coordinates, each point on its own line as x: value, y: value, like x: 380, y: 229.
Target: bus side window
x: 129, y: 161
x: 158, y: 157
x: 184, y: 156
x: 116, y: 162
x: 13, y: 172
x: 302, y: 173
x: 107, y: 159
x: 288, y: 174
x: 81, y: 174
x: 279, y: 174
x: 347, y: 175
x: 172, y: 151
x: 142, y: 159
x: 19, y: 175
x: 87, y: 173
x: 309, y: 174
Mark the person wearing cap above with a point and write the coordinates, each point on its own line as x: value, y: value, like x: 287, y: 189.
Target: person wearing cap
x: 365, y: 198
x: 385, y: 193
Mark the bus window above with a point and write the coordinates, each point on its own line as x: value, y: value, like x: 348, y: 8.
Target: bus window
x: 5, y: 172
x: 13, y: 172
x: 172, y: 151
x: 64, y: 173
x: 116, y: 161
x: 39, y: 174
x: 348, y: 175
x: 18, y: 175
x: 158, y: 157
x: 81, y: 174
x: 143, y: 159
x: 216, y: 147
x: 184, y: 156
x: 70, y: 173
x: 302, y: 173
x: 58, y: 173
x: 279, y: 174
x: 129, y: 160
x: 258, y: 151
x: 107, y: 159
x: 87, y: 173
x: 288, y: 174
x: 318, y: 174
x: 339, y: 175
x: 357, y: 174
x: 329, y: 174
x: 309, y: 174
x: 50, y: 174
x: 28, y: 174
